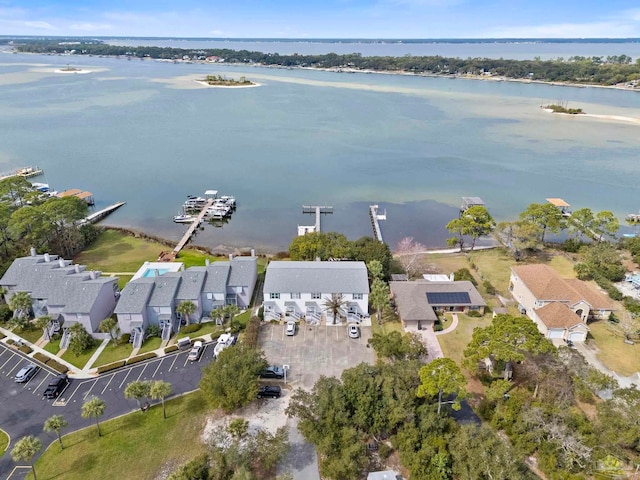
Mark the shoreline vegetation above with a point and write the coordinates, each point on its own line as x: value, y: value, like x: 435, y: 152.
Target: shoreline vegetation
x: 557, y: 108
x: 220, y: 81
x: 610, y: 72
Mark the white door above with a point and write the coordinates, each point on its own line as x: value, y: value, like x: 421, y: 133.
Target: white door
x: 577, y: 336
x: 555, y: 333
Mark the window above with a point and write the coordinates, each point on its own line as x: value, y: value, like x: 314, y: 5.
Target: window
x: 274, y: 296
x: 357, y: 296
x: 209, y: 296
x: 78, y: 316
x: 295, y: 296
x: 316, y: 296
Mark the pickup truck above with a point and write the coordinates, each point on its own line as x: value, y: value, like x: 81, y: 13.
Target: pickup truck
x: 56, y: 386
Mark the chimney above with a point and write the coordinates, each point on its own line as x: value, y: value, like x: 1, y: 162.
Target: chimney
x: 452, y: 276
x: 230, y: 256
x: 47, y: 258
x: 60, y: 261
x: 206, y: 262
x: 77, y: 268
x: 253, y: 252
x: 33, y: 251
x: 93, y: 275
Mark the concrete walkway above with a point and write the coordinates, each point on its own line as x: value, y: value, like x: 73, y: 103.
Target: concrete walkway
x: 96, y: 354
x: 430, y: 340
x: 450, y: 328
x: 589, y: 354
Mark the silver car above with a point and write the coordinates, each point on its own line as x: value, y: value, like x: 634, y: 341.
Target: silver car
x: 354, y: 331
x: 25, y: 373
x: 291, y: 328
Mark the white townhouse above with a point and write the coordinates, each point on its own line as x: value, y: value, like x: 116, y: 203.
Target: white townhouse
x: 297, y: 290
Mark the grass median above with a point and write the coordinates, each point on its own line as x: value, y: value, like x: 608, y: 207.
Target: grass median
x: 138, y: 445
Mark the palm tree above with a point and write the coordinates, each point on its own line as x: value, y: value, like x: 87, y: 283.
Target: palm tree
x: 43, y: 322
x: 21, y: 303
x: 186, y: 309
x: 137, y: 389
x: 94, y: 407
x: 160, y: 390
x: 218, y: 313
x: 110, y: 326
x: 25, y: 449
x: 55, y: 423
x: 335, y: 305
x: 231, y: 310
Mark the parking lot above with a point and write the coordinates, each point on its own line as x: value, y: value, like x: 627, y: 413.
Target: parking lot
x: 315, y: 350
x: 23, y: 409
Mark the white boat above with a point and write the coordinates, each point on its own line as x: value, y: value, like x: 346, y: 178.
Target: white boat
x: 229, y: 200
x: 184, y: 218
x: 195, y: 202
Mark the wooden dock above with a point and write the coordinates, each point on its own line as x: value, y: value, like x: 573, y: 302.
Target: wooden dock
x: 375, y: 217
x: 25, y: 172
x: 99, y: 215
x: 171, y: 256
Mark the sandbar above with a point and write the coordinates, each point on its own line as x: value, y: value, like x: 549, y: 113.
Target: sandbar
x: 206, y: 84
x: 613, y: 118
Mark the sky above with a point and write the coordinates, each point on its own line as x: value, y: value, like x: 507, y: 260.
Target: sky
x: 323, y: 18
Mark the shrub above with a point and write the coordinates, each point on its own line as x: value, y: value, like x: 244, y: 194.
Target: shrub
x: 491, y: 290
x: 111, y: 366
x: 571, y: 245
x: 474, y: 313
x: 11, y: 342
x: 141, y: 358
x: 194, y: 327
x: 2, y: 335
x: 465, y: 274
x: 58, y: 367
x: 437, y: 327
x: 25, y: 349
x: 252, y: 332
x: 235, y: 328
x: 41, y: 357
x: 261, y: 313
x: 384, y: 450
x: 153, y: 331
x: 5, y: 313
x: 171, y: 348
x: 124, y: 339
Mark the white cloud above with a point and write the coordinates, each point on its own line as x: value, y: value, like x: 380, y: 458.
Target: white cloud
x: 90, y: 27
x: 40, y: 25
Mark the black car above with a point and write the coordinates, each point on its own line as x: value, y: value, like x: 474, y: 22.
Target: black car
x: 272, y: 372
x: 269, y: 391
x: 56, y: 387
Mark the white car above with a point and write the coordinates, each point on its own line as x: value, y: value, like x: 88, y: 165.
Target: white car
x: 196, y: 351
x: 354, y: 331
x: 291, y: 329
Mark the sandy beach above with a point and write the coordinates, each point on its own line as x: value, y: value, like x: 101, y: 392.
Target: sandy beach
x: 612, y: 118
x: 205, y: 84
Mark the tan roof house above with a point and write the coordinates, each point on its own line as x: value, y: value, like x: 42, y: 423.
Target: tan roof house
x: 560, y: 307
x: 417, y: 302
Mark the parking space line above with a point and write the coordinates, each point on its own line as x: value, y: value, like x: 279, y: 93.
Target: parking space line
x: 107, y: 385
x: 43, y: 380
x: 13, y: 355
x: 125, y: 378
x: 90, y: 388
x: 77, y: 388
x: 145, y: 367
x: 204, y: 349
x: 186, y: 360
x: 16, y: 366
x: 157, y: 368
x: 4, y: 350
x: 174, y: 361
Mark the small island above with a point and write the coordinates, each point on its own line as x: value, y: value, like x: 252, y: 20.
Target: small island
x: 69, y: 69
x: 220, y: 81
x: 556, y: 108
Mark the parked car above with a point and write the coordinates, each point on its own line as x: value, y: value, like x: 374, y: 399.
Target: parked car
x: 354, y: 331
x: 272, y: 371
x: 270, y: 391
x: 291, y: 328
x: 196, y: 351
x: 184, y: 343
x: 25, y: 373
x: 56, y: 387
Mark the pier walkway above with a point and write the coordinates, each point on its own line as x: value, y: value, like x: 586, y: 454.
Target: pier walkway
x: 375, y: 217
x: 171, y: 256
x: 99, y: 215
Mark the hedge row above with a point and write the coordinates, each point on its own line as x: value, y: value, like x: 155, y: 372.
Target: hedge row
x: 41, y: 357
x: 25, y: 349
x: 171, y: 348
x: 111, y: 366
x: 58, y: 367
x: 252, y: 331
x: 2, y: 335
x: 194, y: 327
x: 141, y: 358
x: 11, y: 341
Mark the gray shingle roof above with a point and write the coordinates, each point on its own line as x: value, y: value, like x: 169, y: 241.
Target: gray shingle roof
x: 243, y: 271
x: 316, y: 277
x: 82, y: 298
x: 191, y: 284
x: 164, y: 291
x: 217, y: 275
x: 134, y: 296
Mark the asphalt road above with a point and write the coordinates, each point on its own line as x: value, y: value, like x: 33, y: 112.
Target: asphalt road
x: 23, y: 409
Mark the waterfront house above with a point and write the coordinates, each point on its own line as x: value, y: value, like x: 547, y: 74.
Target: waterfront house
x: 418, y: 302
x: 66, y: 292
x: 153, y: 300
x: 560, y: 307
x: 297, y: 290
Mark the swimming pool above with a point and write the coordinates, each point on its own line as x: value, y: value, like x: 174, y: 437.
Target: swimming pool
x: 155, y: 272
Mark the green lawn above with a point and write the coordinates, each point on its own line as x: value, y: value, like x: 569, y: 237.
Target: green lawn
x: 208, y: 327
x: 494, y: 265
x: 614, y: 353
x: 30, y: 335
x: 81, y: 360
x: 53, y: 346
x: 150, y: 344
x: 243, y: 318
x: 113, y: 353
x: 390, y: 323
x: 454, y: 343
x: 138, y: 445
x: 123, y: 280
x: 4, y: 441
x: 114, y: 251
